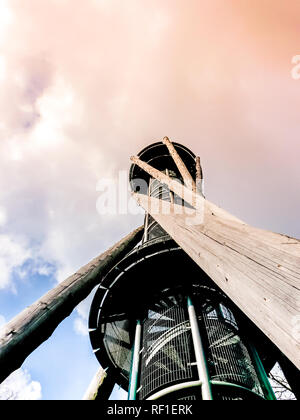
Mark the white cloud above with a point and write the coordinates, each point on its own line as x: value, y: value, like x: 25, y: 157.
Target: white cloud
x: 6, y: 18
x: 58, y: 108
x: 2, y: 68
x: 80, y: 327
x: 13, y: 254
x: 20, y: 386
x: 17, y: 256
x: 3, y: 216
x: 83, y: 309
x: 44, y: 270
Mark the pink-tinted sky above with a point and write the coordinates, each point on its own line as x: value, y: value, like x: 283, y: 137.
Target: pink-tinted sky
x: 84, y: 84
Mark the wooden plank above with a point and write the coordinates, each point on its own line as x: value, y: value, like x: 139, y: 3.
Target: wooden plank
x: 183, y: 170
x: 258, y: 270
x: 95, y: 386
x: 199, y: 176
x: 193, y: 198
x: 174, y: 185
x: 35, y: 324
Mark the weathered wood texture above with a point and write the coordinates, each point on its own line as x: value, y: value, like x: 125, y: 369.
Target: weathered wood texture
x: 199, y: 176
x: 173, y: 184
x: 95, y: 386
x: 258, y: 270
x: 35, y: 324
x: 186, y: 176
x: 194, y: 199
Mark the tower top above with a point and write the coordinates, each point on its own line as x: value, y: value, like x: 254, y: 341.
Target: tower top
x: 158, y: 156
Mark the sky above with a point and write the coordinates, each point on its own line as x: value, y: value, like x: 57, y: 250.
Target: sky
x: 85, y: 84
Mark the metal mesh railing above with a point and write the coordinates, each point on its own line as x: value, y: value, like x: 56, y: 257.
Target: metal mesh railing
x: 228, y: 357
x: 162, y: 192
x: 117, y: 343
x: 167, y: 350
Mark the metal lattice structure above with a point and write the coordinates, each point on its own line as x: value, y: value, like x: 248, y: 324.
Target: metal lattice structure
x: 166, y: 355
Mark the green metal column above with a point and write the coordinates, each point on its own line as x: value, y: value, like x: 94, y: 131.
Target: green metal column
x: 199, y: 353
x: 262, y: 376
x: 134, y: 371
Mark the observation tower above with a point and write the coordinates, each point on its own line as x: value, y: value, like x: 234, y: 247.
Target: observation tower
x: 194, y: 305
x: 159, y: 324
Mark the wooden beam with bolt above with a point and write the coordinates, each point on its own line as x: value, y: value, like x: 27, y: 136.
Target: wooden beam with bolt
x: 34, y: 325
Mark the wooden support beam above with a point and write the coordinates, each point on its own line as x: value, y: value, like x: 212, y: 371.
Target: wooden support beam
x: 199, y: 177
x: 187, y: 177
x: 174, y: 185
x: 35, y: 324
x: 194, y: 199
x: 95, y: 386
x: 258, y: 270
